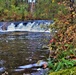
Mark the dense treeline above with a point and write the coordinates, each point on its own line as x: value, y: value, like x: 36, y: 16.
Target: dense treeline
x: 15, y: 10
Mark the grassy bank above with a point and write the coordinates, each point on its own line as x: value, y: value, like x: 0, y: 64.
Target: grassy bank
x: 71, y: 71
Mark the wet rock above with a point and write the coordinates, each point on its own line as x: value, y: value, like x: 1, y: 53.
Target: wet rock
x: 25, y: 74
x: 41, y: 72
x: 5, y: 25
x: 44, y: 47
x: 40, y: 63
x: 2, y: 69
x: 2, y: 62
x: 5, y: 73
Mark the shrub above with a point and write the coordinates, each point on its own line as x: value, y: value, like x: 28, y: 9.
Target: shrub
x: 63, y: 45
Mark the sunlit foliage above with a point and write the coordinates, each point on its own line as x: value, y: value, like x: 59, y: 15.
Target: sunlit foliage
x: 14, y: 10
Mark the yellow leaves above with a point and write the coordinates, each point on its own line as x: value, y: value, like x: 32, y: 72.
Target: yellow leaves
x: 61, y: 35
x: 66, y: 34
x: 6, y: 11
x: 50, y: 48
x: 73, y: 13
x: 53, y: 1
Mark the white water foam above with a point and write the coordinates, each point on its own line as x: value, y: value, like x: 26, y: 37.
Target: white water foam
x: 30, y: 26
x: 11, y: 27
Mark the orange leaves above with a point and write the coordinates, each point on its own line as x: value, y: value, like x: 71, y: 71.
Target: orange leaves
x: 53, y: 1
x: 67, y: 22
x: 66, y: 34
x: 52, y: 40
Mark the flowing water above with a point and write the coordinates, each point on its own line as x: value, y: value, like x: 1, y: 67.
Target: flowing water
x: 21, y: 47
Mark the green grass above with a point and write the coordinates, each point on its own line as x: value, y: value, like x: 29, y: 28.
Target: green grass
x: 71, y: 71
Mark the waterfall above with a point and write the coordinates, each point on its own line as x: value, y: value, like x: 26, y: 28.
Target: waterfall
x: 32, y: 26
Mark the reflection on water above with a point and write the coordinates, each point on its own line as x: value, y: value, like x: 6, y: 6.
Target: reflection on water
x: 21, y: 48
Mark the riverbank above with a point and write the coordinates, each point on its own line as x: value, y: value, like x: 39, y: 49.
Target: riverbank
x: 71, y: 71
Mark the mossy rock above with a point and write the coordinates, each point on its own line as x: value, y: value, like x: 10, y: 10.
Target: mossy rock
x: 71, y: 71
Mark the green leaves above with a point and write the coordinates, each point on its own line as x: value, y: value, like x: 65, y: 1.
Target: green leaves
x: 50, y: 64
x: 68, y: 63
x: 11, y: 12
x: 44, y: 9
x: 61, y: 64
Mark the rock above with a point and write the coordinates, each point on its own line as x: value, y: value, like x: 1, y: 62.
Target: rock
x: 5, y: 73
x: 25, y: 74
x: 41, y: 72
x: 44, y: 47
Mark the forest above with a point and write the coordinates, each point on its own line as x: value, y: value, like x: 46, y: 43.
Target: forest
x: 16, y: 10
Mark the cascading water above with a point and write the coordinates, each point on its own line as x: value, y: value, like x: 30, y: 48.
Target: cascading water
x: 32, y: 26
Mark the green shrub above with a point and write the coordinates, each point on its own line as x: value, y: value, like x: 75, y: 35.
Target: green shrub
x: 71, y: 71
x: 63, y: 63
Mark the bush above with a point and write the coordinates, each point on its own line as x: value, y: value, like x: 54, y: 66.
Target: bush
x: 71, y: 71
x: 63, y: 44
x: 65, y: 40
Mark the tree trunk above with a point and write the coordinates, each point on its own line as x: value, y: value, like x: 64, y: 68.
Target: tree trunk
x: 72, y: 9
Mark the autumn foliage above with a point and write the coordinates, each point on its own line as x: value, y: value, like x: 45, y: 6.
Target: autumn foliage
x: 65, y: 37
x: 63, y: 43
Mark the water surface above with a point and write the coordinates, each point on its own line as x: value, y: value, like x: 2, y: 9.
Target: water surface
x: 22, y: 48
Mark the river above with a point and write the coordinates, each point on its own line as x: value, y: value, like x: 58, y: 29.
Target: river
x: 22, y: 48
